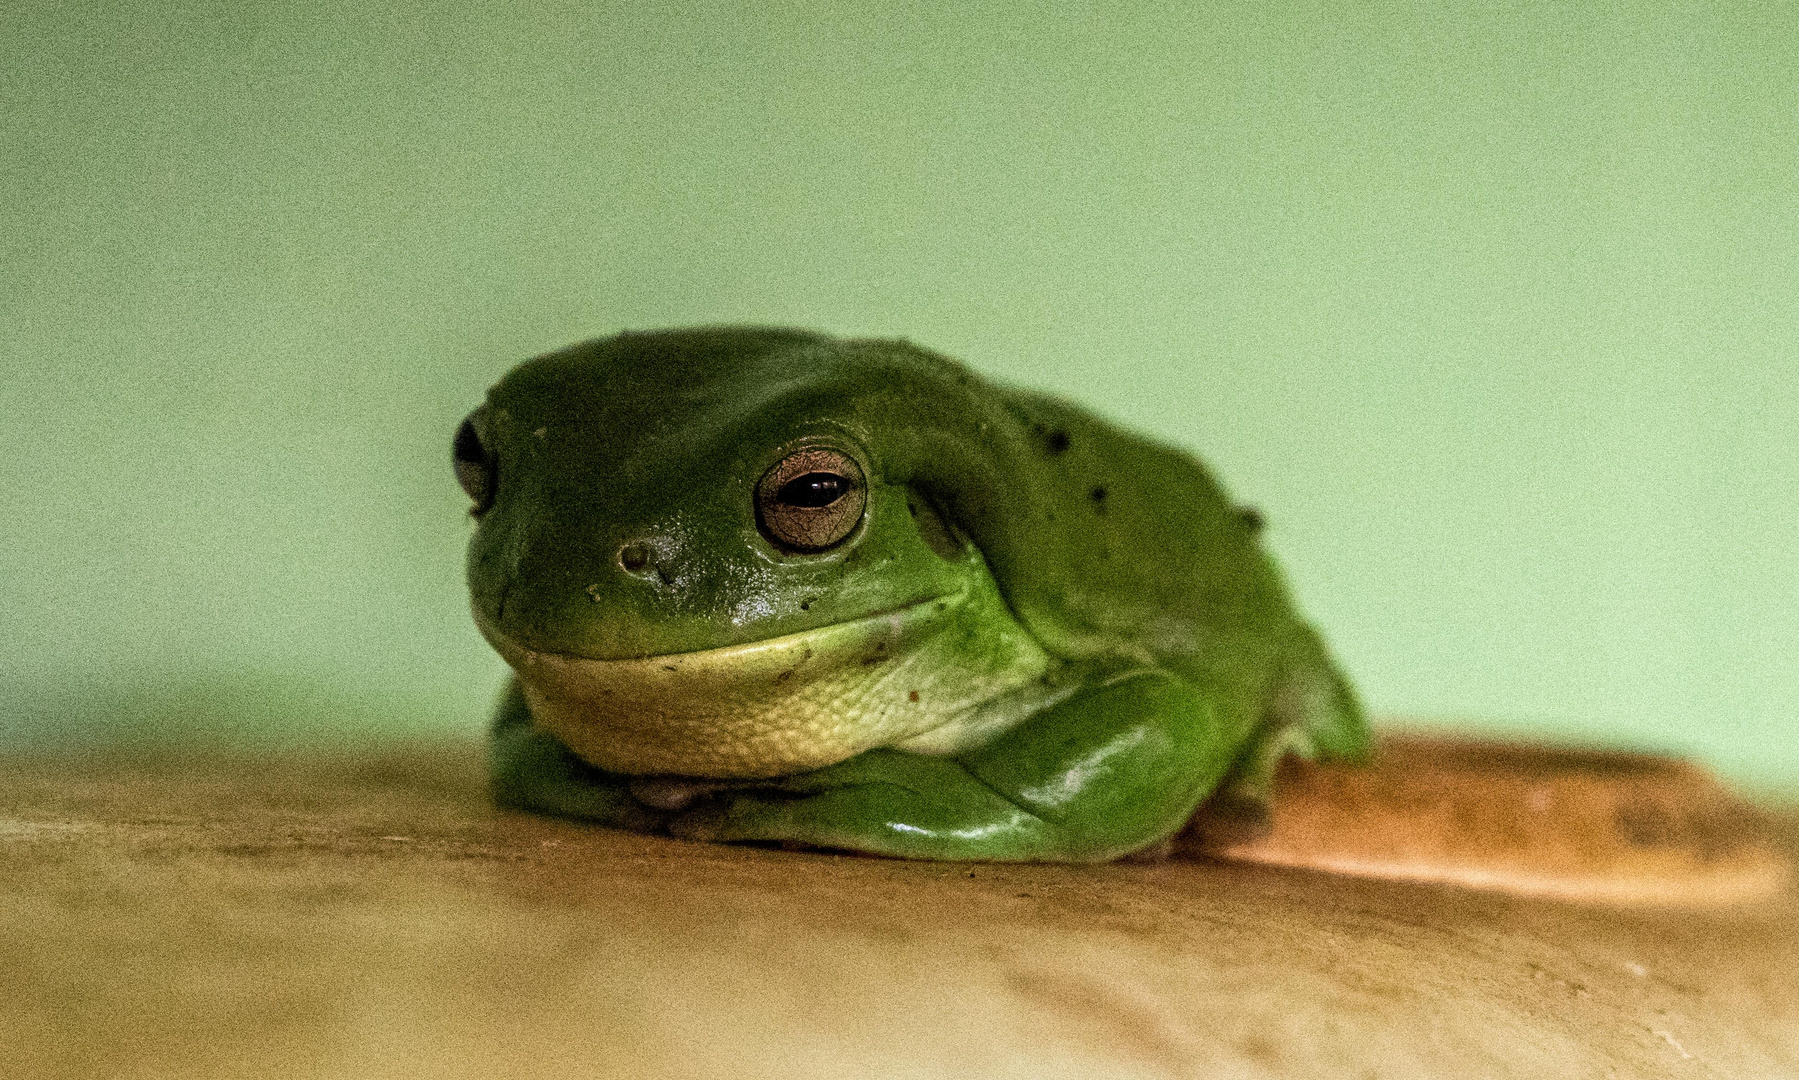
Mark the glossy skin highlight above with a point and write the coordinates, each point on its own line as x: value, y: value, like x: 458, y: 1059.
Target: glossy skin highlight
x: 764, y: 585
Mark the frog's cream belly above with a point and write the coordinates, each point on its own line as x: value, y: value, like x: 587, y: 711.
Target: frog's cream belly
x: 935, y: 676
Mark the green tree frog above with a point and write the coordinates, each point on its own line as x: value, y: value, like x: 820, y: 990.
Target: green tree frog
x: 767, y: 585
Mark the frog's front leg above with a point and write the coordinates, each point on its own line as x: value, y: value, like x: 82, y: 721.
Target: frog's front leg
x: 1105, y: 773
x: 530, y: 769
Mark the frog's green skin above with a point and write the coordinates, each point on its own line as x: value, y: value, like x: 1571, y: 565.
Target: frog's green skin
x: 1047, y: 639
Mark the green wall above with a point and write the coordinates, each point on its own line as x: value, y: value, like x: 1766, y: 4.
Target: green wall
x: 1494, y: 313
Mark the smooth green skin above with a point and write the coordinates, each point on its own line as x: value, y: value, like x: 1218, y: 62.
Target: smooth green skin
x: 1185, y: 672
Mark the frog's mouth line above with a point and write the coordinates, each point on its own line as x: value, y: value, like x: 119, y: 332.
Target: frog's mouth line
x: 879, y: 628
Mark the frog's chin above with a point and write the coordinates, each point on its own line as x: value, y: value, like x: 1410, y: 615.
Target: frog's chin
x: 766, y: 708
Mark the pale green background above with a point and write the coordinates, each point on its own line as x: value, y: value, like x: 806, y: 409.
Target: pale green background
x: 1495, y: 313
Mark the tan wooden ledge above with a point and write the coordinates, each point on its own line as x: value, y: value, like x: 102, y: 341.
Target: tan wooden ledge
x: 1581, y: 825
x: 365, y: 913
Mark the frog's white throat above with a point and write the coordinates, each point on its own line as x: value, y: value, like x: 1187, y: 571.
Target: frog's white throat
x: 933, y: 677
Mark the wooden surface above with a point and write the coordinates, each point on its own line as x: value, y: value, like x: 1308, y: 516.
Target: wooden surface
x: 1582, y: 825
x: 367, y: 915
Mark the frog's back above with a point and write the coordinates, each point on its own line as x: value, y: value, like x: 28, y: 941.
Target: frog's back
x: 1133, y: 542
x: 1112, y: 547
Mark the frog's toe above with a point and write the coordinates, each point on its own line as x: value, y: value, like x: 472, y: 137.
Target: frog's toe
x: 1230, y: 818
x: 671, y: 793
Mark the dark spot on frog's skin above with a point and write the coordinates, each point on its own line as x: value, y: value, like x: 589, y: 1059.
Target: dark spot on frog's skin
x: 1057, y: 441
x: 670, y: 667
x: 911, y: 695
x: 1098, y: 495
x: 1251, y: 518
x: 785, y: 675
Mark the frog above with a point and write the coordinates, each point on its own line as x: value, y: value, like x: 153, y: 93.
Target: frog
x: 773, y: 587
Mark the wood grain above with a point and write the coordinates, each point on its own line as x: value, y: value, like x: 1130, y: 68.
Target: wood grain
x: 1583, y: 825
x: 361, y: 911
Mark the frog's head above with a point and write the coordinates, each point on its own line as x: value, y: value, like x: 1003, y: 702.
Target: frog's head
x: 675, y: 492
x: 678, y: 532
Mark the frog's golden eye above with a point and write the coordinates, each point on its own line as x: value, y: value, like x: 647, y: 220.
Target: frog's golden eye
x: 476, y: 469
x: 811, y: 499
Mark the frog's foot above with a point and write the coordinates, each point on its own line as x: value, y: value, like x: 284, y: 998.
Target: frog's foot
x: 1231, y: 818
x: 1241, y: 811
x: 674, y: 793
x: 1113, y: 770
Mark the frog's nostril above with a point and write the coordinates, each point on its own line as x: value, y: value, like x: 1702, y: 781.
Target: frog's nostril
x: 633, y: 557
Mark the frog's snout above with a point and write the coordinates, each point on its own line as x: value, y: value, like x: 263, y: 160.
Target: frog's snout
x: 597, y: 599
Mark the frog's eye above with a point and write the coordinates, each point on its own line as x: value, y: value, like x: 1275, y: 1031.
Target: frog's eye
x: 811, y: 499
x: 475, y: 467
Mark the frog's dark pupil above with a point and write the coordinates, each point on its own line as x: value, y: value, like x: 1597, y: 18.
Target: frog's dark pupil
x: 813, y: 489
